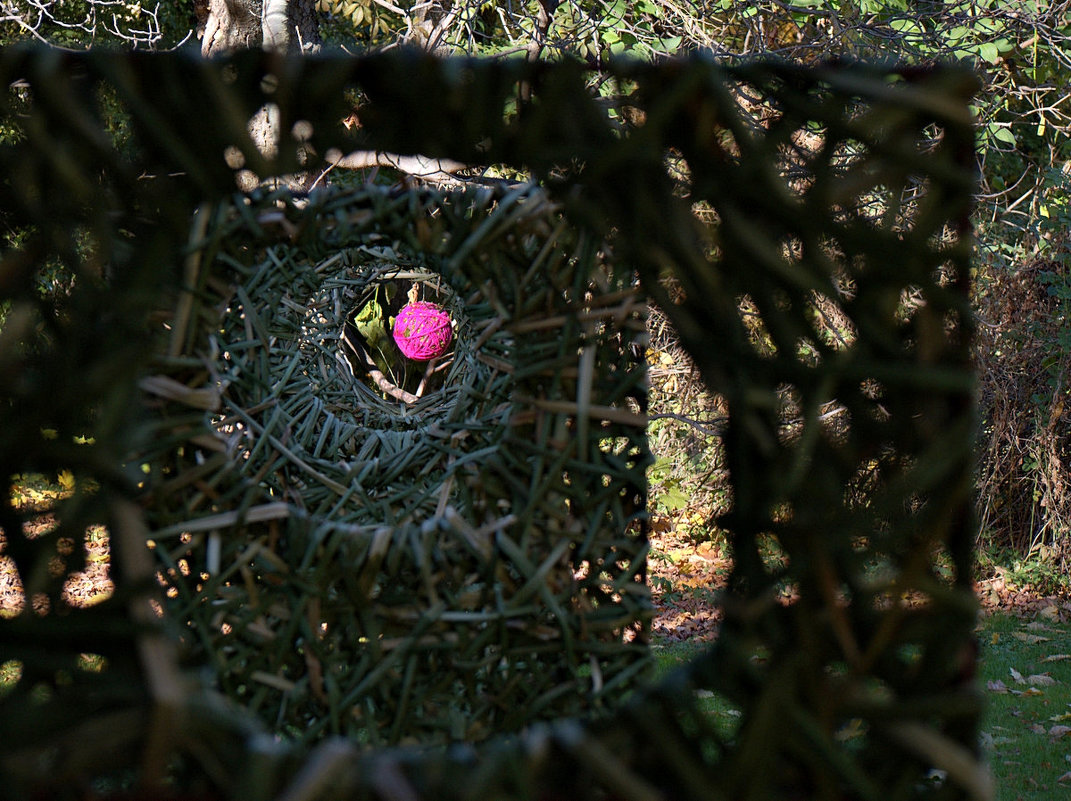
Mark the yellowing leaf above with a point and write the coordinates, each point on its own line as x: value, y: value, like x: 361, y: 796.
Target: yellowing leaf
x: 1056, y: 657
x: 66, y: 479
x: 852, y: 729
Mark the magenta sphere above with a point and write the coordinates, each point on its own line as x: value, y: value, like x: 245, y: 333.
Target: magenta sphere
x: 422, y: 330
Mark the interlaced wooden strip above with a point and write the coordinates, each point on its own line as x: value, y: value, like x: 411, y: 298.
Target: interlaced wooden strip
x: 815, y: 235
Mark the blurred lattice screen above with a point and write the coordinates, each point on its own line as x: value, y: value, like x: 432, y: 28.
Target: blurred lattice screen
x: 813, y: 234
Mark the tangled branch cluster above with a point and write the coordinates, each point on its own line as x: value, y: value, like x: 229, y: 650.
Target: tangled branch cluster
x: 1021, y: 51
x: 83, y: 25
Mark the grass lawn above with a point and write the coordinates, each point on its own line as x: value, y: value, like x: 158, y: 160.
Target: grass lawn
x: 1025, y: 674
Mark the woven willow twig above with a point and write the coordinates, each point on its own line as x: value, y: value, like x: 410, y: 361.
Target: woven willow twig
x: 827, y: 193
x: 448, y: 565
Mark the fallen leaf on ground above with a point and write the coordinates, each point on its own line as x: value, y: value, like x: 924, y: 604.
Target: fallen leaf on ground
x: 1051, y: 612
x: 1015, y: 674
x: 1056, y: 658
x: 996, y: 686
x: 1040, y: 680
x: 1059, y: 731
x: 1029, y: 639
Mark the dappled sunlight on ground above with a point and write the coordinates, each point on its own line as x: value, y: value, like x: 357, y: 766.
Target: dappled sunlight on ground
x: 685, y: 578
x: 81, y: 588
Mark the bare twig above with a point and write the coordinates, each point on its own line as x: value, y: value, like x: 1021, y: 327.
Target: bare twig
x: 354, y: 340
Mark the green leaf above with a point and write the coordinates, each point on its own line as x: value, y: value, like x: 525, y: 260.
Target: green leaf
x: 669, y: 44
x: 956, y: 34
x: 1002, y: 134
x: 988, y: 51
x: 369, y: 321
x: 905, y: 25
x: 673, y: 499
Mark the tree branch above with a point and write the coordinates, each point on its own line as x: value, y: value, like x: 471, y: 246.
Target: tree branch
x: 418, y: 166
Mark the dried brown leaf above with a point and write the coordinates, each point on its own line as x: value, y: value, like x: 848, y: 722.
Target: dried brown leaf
x: 1040, y: 680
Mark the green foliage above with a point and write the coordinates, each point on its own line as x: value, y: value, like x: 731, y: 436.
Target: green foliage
x: 1038, y: 571
x: 84, y: 24
x: 1025, y: 671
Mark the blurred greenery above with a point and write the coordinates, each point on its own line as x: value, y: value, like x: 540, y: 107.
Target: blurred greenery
x: 1025, y: 673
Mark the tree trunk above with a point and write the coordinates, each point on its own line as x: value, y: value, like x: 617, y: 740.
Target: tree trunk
x: 289, y: 26
x: 285, y: 26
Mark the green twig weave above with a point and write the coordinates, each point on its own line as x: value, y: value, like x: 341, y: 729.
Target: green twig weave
x: 437, y: 569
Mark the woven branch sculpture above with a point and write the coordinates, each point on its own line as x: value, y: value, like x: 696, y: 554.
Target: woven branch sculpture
x: 818, y: 246
x: 354, y: 558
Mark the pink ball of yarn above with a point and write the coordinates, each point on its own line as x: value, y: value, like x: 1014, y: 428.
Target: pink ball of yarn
x: 422, y: 331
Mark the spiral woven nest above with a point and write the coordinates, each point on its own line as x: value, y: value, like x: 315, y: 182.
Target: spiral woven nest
x: 395, y: 550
